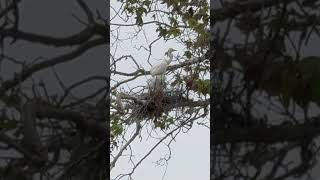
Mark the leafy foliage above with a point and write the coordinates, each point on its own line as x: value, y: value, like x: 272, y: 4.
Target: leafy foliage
x: 296, y: 80
x: 193, y: 14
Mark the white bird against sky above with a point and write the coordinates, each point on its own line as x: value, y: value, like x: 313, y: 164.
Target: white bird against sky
x: 161, y: 68
x: 158, y: 71
x: 156, y: 81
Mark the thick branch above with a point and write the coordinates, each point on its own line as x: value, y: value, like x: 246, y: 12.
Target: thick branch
x: 236, y: 8
x: 46, y: 64
x: 75, y: 39
x: 93, y: 126
x: 272, y: 134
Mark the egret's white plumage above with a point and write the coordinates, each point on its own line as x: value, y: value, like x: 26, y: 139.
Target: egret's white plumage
x: 156, y: 81
x: 161, y: 68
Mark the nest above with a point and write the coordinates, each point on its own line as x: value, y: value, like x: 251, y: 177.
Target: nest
x: 156, y: 102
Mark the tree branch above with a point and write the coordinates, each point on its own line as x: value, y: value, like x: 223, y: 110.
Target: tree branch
x: 265, y: 134
x: 54, y: 61
x: 236, y: 8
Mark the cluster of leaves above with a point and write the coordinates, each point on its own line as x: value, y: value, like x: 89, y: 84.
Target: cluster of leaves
x: 194, y: 82
x: 292, y: 79
x: 201, y: 86
x: 137, y: 8
x: 164, y: 122
x: 182, y: 14
x: 116, y: 128
x: 297, y: 80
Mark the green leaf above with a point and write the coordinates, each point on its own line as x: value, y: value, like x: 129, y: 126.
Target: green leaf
x: 147, y: 3
x: 174, y: 31
x: 177, y: 80
x: 162, y: 31
x: 192, y: 22
x: 201, y: 86
x: 188, y: 54
x: 139, y: 21
x: 173, y: 21
x: 8, y: 125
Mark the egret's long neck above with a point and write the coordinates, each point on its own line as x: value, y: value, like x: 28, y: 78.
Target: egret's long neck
x: 170, y: 55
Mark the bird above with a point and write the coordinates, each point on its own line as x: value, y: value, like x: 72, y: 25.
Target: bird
x: 160, y: 69
x: 156, y: 81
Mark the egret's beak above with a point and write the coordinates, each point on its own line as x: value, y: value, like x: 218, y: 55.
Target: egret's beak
x: 171, y: 50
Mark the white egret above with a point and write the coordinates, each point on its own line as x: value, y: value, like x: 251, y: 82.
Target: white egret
x: 158, y: 72
x: 161, y: 68
x: 156, y: 81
